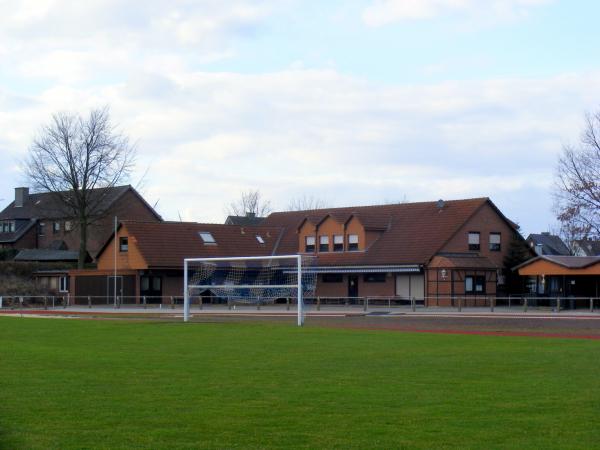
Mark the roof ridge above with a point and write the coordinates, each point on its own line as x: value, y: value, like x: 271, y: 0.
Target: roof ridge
x: 377, y: 205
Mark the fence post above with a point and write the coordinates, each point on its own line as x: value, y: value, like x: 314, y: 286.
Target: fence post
x: 287, y: 303
x: 318, y: 303
x: 258, y: 304
x: 172, y: 303
x: 365, y: 303
x: 509, y: 301
x: 201, y: 302
x: 228, y: 303
x: 557, y: 304
x: 144, y: 302
x: 20, y: 303
x: 491, y: 303
x: 89, y: 302
x: 591, y: 304
x: 459, y: 304
x: 389, y: 303
x: 45, y: 302
x: 413, y: 305
x: 524, y: 304
x: 118, y: 302
x: 0, y: 302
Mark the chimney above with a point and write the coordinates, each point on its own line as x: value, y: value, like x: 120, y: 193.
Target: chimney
x: 440, y: 204
x: 21, y: 196
x: 250, y: 214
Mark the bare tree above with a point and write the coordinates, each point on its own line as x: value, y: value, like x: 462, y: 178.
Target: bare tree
x: 306, y: 202
x: 77, y: 159
x: 577, y: 184
x: 250, y: 202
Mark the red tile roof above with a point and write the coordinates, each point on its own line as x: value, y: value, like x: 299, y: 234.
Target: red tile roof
x: 167, y: 244
x: 412, y: 233
x: 461, y: 262
x: 415, y: 232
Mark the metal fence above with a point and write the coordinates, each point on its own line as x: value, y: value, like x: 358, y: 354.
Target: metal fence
x: 514, y: 303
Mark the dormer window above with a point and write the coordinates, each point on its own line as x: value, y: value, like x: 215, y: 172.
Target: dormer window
x: 474, y: 240
x: 55, y: 227
x: 323, y: 243
x: 7, y: 227
x: 309, y: 244
x: 260, y: 239
x: 352, y: 242
x: 207, y: 238
x: 338, y: 243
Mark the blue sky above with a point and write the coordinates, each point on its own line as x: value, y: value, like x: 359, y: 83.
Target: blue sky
x: 353, y: 102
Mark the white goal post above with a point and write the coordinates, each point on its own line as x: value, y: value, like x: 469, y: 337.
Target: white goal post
x: 249, y: 278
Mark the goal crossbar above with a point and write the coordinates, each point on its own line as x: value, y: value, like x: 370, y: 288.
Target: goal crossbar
x: 298, y: 286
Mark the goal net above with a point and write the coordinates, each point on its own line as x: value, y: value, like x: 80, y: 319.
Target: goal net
x: 250, y: 280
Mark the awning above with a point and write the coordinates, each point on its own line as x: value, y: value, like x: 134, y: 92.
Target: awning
x: 364, y: 269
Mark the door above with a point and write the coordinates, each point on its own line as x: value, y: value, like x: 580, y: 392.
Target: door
x: 151, y: 288
x: 352, y: 285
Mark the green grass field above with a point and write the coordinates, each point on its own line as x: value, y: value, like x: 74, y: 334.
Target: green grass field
x: 121, y: 384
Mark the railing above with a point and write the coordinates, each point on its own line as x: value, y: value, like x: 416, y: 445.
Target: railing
x: 371, y: 303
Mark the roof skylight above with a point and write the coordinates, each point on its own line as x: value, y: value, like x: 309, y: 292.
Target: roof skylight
x: 207, y: 237
x: 260, y: 239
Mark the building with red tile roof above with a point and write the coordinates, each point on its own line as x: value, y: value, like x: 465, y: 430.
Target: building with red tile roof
x: 432, y: 250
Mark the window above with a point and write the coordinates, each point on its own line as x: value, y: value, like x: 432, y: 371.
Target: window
x: 353, y: 242
x: 63, y: 283
x: 55, y: 227
x: 309, y: 244
x: 124, y: 244
x: 374, y: 277
x: 495, y: 242
x: 260, y: 239
x: 156, y: 283
x: 68, y: 225
x: 41, y: 228
x: 207, y: 238
x: 332, y: 278
x: 338, y: 243
x: 323, y: 243
x: 473, y: 240
x: 144, y: 283
x: 475, y: 284
x: 7, y: 227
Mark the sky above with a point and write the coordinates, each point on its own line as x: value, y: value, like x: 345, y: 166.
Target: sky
x: 352, y: 102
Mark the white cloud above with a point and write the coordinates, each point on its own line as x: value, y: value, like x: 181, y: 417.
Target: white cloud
x: 207, y: 136
x: 330, y: 135
x: 384, y: 12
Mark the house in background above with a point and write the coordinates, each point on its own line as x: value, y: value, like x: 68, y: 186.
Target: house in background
x: 39, y: 221
x: 250, y: 219
x: 150, y: 256
x: 434, y: 250
x: 553, y: 276
x: 586, y: 247
x: 547, y: 244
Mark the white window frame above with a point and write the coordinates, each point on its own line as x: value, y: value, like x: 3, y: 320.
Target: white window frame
x: 63, y: 283
x: 351, y: 238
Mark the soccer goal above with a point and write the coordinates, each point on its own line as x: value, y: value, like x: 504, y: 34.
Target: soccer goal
x: 250, y: 280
